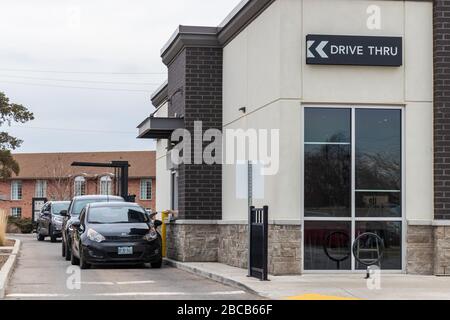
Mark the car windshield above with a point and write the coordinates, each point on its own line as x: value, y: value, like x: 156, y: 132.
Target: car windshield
x: 80, y: 204
x: 58, y: 207
x: 114, y: 215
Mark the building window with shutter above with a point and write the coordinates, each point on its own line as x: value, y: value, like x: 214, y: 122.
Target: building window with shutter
x: 80, y: 186
x: 16, y: 212
x: 146, y: 189
x: 41, y: 189
x: 16, y: 190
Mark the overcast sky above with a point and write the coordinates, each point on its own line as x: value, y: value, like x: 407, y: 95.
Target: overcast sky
x: 95, y: 42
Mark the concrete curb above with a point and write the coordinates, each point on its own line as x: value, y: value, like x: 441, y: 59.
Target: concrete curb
x: 8, y: 268
x: 16, y: 246
x: 212, y: 276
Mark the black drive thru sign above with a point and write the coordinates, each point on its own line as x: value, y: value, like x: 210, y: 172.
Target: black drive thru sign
x: 354, y: 50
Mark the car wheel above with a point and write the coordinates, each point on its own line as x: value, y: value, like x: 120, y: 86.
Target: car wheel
x: 39, y: 236
x: 52, y: 237
x: 83, y: 264
x: 157, y: 265
x: 68, y: 252
x: 74, y: 260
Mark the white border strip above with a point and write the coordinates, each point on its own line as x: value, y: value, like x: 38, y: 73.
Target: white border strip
x: 8, y: 267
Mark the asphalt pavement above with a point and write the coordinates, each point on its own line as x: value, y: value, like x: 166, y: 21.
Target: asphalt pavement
x: 42, y: 273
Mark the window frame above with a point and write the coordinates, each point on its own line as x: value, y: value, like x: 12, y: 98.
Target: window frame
x: 79, y: 184
x: 19, y: 190
x: 40, y: 185
x: 109, y: 185
x: 141, y: 190
x: 16, y: 215
x: 174, y: 192
x: 354, y: 219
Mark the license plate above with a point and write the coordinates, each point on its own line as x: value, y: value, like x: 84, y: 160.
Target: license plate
x: 125, y: 250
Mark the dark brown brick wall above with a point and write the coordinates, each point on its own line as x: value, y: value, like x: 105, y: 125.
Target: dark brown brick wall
x: 442, y: 108
x: 176, y: 95
x: 198, y: 71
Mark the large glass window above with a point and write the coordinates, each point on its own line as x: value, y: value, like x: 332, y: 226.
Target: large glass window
x: 377, y: 204
x: 327, y: 125
x: 328, y: 245
x: 353, y: 185
x: 327, y: 162
x: 391, y: 233
x: 378, y: 163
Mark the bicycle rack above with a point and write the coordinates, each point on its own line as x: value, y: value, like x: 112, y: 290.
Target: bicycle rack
x: 326, y: 247
x: 375, y: 249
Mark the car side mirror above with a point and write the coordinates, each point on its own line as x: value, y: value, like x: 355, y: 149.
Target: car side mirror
x: 46, y: 213
x: 157, y: 223
x: 63, y: 213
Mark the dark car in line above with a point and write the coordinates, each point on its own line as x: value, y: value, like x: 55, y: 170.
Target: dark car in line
x: 115, y: 233
x: 73, y: 214
x: 50, y: 221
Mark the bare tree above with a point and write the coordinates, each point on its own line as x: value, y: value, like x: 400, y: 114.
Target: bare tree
x: 59, y: 186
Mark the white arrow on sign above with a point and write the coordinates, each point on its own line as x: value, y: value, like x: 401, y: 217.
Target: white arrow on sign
x: 319, y: 49
x: 310, y: 44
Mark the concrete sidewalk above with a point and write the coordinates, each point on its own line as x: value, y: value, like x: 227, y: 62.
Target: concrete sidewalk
x: 325, y: 287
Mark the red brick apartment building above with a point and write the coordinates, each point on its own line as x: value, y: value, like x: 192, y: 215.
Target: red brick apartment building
x: 51, y: 176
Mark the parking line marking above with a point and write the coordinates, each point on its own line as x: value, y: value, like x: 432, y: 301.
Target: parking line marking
x: 221, y: 293
x: 134, y: 282
x: 135, y: 294
x: 35, y: 295
x: 97, y: 283
x: 124, y: 294
x: 144, y: 294
x: 319, y: 297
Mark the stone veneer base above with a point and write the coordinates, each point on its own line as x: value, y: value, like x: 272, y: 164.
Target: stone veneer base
x: 442, y: 250
x: 192, y: 242
x: 420, y: 250
x: 228, y: 244
x: 428, y: 247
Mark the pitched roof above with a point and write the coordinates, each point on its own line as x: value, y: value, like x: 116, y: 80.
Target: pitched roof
x: 53, y: 165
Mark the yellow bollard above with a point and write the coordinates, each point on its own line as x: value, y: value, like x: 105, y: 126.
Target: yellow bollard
x: 164, y: 217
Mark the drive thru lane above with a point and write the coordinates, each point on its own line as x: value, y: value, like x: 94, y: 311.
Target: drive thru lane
x: 42, y: 273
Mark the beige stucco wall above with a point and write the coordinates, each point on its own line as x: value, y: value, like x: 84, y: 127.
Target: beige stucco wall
x: 281, y: 191
x: 162, y: 174
x: 265, y: 71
